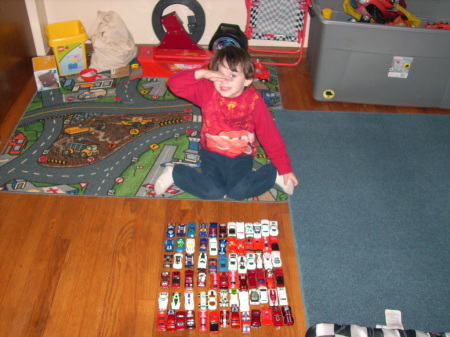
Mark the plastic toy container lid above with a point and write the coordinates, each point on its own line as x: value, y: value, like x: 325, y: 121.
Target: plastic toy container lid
x: 63, y: 33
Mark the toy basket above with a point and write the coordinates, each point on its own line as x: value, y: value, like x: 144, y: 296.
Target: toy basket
x: 278, y: 20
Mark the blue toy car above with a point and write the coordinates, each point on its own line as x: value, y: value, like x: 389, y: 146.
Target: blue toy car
x: 169, y: 245
x: 181, y: 230
x: 189, y: 261
x: 223, y: 263
x: 170, y: 230
x: 203, y: 245
x: 223, y: 246
x: 181, y: 244
x: 192, y: 230
x: 203, y: 230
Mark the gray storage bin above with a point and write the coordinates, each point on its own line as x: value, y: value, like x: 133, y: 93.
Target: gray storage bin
x: 380, y: 64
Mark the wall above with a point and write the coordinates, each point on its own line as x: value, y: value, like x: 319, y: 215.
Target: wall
x: 137, y: 15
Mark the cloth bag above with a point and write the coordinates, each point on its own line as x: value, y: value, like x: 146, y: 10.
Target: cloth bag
x: 113, y: 44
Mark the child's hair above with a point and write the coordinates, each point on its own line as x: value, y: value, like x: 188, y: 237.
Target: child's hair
x: 234, y: 56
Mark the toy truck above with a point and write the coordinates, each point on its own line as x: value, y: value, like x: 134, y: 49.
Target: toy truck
x: 138, y: 121
x: 81, y: 150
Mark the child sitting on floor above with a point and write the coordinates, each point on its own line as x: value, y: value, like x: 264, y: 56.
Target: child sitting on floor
x: 235, y: 116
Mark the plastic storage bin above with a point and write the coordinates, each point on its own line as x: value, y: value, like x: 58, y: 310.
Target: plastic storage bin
x: 380, y: 64
x: 67, y: 40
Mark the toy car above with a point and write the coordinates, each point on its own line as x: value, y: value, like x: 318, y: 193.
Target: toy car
x: 203, y: 245
x: 261, y: 72
x: 249, y: 229
x: 263, y: 295
x: 202, y: 261
x: 277, y: 317
x: 240, y: 230
x: 224, y: 318
x: 276, y: 259
x: 176, y: 301
x: 232, y: 279
x: 287, y: 314
x: 203, y: 230
x: 213, y: 246
x: 192, y: 229
x: 223, y: 246
x: 282, y: 296
x: 231, y: 229
x: 223, y: 231
x: 170, y: 233
x: 223, y: 280
x: 267, y: 316
x: 163, y: 301
x: 189, y: 300
x: 165, y: 279
x: 232, y: 244
x: 190, y: 246
x: 180, y: 320
x: 260, y: 277
x: 232, y: 262
x: 234, y: 297
x: 267, y: 260
x: 214, y: 321
x: 212, y: 265
x: 273, y: 243
x: 249, y: 245
x: 259, y: 261
x: 242, y: 265
x: 252, y: 281
x: 169, y: 245
x: 214, y: 281
x: 201, y: 279
x: 212, y: 300
x: 257, y: 230
x: 241, y: 247
x: 235, y: 317
x: 223, y: 263
x: 223, y: 301
x: 267, y: 247
x: 244, y: 304
x: 181, y: 229
x: 273, y: 298
x: 256, y: 318
x: 270, y: 279
x: 170, y: 323
x: 178, y: 261
x: 175, y: 279
x: 251, y: 262
x: 273, y: 228
x: 203, y: 320
x: 265, y: 228
x: 189, y: 262
x: 279, y: 276
x: 203, y: 305
x: 246, y: 321
x: 189, y: 279
x: 213, y: 230
x: 258, y: 244
x: 254, y: 296
x: 243, y: 282
x: 190, y: 319
x: 162, y: 319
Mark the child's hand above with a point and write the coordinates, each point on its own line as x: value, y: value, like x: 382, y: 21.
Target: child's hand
x: 213, y: 76
x: 290, y: 177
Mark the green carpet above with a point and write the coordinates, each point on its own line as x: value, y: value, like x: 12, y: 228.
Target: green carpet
x: 111, y: 137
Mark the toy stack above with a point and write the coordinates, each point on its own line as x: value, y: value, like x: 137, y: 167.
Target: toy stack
x: 217, y: 276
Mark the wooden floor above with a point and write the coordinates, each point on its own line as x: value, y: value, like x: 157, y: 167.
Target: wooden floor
x: 87, y: 266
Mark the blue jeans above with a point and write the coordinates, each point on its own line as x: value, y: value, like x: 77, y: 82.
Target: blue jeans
x: 222, y: 176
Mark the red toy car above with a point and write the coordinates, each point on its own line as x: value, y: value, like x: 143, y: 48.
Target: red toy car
x: 189, y: 279
x: 214, y: 281
x: 261, y: 72
x: 241, y: 247
x: 180, y: 320
x: 213, y: 229
x: 224, y: 318
x: 233, y: 279
x: 243, y: 286
x: 165, y: 279
x: 246, y: 322
x: 260, y: 277
x: 277, y: 317
x: 232, y: 244
x: 223, y: 280
x: 249, y: 245
x: 203, y: 320
x: 170, y: 323
x: 214, y: 321
x: 274, y: 245
x: 175, y: 279
x: 279, y: 276
x: 273, y: 297
x: 190, y: 319
x: 223, y: 231
x: 235, y: 317
x: 256, y: 318
x: 267, y: 316
x: 258, y: 244
x: 252, y: 281
x: 270, y: 279
x: 162, y: 318
x: 287, y: 314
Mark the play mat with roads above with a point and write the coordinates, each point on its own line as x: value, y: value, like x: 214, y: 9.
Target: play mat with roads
x: 110, y: 137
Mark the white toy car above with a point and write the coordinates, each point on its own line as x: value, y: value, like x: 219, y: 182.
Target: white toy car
x: 233, y: 262
x: 265, y: 228
x: 223, y: 298
x: 203, y: 305
x: 251, y: 262
x: 234, y: 297
x: 259, y: 260
x: 202, y: 261
x: 254, y: 296
x: 190, y: 246
x: 163, y: 301
x: 240, y: 230
x: 189, y: 300
x: 249, y: 230
x: 276, y: 259
x: 267, y: 260
x: 242, y: 265
x: 176, y: 301
x: 257, y: 230
x: 212, y: 300
x: 213, y: 246
x: 178, y: 261
x: 263, y: 295
x: 274, y: 228
x: 282, y: 296
x: 244, y: 304
x: 232, y: 229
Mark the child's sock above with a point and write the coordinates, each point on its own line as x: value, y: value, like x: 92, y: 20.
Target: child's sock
x: 164, y: 180
x: 289, y: 188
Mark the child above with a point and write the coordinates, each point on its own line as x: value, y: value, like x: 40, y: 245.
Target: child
x: 234, y: 114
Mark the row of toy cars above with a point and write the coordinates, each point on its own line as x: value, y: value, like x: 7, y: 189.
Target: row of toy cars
x: 250, y: 275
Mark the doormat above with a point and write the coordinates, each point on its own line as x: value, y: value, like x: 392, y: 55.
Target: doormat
x: 110, y: 137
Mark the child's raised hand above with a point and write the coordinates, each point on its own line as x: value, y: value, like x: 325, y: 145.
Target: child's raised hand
x: 213, y: 76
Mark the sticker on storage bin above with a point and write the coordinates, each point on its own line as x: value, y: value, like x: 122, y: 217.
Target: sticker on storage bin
x: 400, y: 67
x: 329, y: 94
